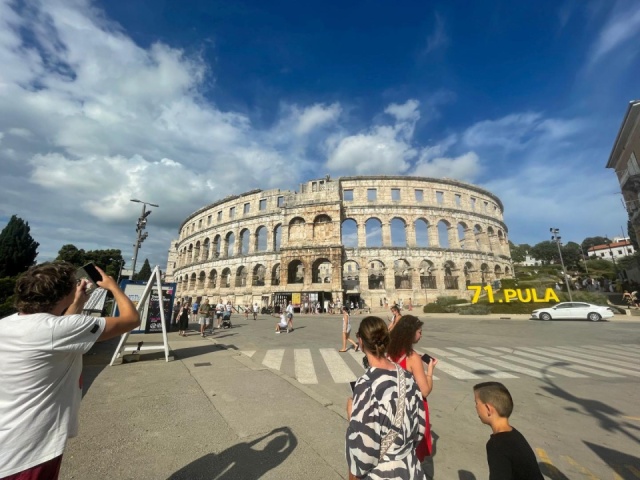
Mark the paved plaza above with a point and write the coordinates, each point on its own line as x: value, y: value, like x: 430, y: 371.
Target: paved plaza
x: 246, y: 403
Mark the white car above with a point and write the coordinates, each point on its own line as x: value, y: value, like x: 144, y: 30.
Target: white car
x: 573, y: 310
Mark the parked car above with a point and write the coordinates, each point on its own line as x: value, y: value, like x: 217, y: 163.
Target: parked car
x: 573, y: 310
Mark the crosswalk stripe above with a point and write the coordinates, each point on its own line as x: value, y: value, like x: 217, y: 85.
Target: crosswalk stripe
x: 248, y: 353
x: 338, y: 369
x: 536, y: 363
x: 620, y: 362
x: 464, y: 351
x: 607, y: 351
x: 580, y: 361
x: 305, y: 373
x: 484, y: 351
x: 588, y: 356
x: 627, y: 347
x: 273, y: 359
x: 357, y: 356
x: 515, y: 368
x: 486, y: 369
x: 421, y: 350
x: 455, y: 371
x: 438, y: 352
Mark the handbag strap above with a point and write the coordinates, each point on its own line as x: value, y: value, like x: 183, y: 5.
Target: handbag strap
x: 391, y: 435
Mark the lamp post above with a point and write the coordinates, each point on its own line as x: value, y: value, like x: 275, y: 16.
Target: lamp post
x: 140, y: 226
x: 555, y: 237
x: 586, y: 269
x: 121, y: 264
x: 613, y: 259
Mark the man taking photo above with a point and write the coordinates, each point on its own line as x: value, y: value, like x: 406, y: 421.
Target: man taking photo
x: 41, y: 350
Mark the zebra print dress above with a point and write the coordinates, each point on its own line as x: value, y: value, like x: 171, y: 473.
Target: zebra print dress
x: 374, y: 407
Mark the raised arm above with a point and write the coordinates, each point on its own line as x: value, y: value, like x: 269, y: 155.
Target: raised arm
x: 129, y: 317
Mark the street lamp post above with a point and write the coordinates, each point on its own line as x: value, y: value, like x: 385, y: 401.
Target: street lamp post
x: 555, y: 237
x: 120, y: 265
x: 586, y: 269
x: 140, y: 226
x: 613, y: 259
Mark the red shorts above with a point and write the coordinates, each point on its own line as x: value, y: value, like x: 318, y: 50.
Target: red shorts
x: 45, y: 471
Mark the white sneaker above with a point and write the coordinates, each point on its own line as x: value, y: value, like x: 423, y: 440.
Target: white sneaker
x: 277, y: 333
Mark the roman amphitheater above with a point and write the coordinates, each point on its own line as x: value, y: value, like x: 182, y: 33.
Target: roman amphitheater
x: 370, y: 240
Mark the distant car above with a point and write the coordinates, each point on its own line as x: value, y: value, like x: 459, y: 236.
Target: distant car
x: 573, y: 310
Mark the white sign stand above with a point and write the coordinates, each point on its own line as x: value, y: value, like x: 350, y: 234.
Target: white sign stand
x: 154, y: 280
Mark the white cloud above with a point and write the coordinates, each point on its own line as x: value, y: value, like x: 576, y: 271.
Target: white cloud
x: 464, y: 167
x: 315, y: 116
x: 620, y: 28
x: 438, y: 38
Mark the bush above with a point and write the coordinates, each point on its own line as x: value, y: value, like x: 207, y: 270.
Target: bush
x: 445, y: 301
x: 477, y: 309
x: 434, y: 308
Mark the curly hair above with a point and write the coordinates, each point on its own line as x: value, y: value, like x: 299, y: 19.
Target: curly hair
x: 403, y: 335
x: 40, y: 288
x: 374, y: 334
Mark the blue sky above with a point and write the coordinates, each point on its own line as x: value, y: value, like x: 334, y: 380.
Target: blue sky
x: 182, y: 103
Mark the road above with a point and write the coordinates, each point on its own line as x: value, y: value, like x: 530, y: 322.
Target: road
x: 575, y: 384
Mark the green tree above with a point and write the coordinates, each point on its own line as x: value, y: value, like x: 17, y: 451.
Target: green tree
x: 70, y: 253
x: 108, y: 260
x: 18, y: 249
x: 145, y: 271
x: 571, y: 255
x: 518, y: 252
x: 546, y: 251
x: 589, y: 242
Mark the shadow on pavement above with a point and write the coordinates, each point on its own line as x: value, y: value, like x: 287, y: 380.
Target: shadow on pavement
x: 188, y: 352
x: 626, y: 466
x: 466, y: 475
x: 242, y: 461
x: 95, y: 360
x: 551, y: 471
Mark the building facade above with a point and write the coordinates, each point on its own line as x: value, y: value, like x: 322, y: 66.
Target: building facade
x: 618, y: 248
x: 369, y: 240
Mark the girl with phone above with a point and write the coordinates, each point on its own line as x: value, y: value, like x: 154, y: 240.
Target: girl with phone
x: 406, y: 333
x: 346, y: 331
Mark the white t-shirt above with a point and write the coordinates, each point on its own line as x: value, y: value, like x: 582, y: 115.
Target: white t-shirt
x: 283, y: 321
x: 255, y: 308
x: 41, y: 385
x: 290, y: 309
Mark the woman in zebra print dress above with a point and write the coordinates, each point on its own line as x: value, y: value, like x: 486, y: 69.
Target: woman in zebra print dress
x: 383, y: 432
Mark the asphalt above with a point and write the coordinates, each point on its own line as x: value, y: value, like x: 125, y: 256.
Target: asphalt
x: 211, y: 413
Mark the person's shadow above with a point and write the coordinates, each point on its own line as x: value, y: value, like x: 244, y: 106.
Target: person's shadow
x: 242, y: 460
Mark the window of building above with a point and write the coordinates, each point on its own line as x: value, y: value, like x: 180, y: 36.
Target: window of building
x: 419, y: 195
x: 220, y: 216
x: 486, y: 207
x: 246, y: 209
x: 263, y: 204
x: 395, y: 194
x: 232, y: 212
x: 458, y: 200
x: 208, y: 220
x: 473, y: 204
x: 280, y: 201
x: 347, y: 195
x: 372, y: 194
x: 439, y: 198
x: 200, y: 224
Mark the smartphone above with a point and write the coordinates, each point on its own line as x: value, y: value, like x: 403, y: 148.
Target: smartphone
x: 89, y: 273
x: 93, y: 272
x: 426, y: 358
x: 352, y: 385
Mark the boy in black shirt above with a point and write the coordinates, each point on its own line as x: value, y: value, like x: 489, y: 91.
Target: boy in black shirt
x: 509, y: 455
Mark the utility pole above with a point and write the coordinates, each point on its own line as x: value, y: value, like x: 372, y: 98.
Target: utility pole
x: 140, y: 226
x: 555, y: 237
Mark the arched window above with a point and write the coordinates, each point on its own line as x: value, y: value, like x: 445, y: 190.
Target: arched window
x: 259, y: 274
x: 427, y: 278
x: 321, y: 271
x: 196, y: 252
x: 462, y: 234
x: 322, y: 228
x: 216, y: 246
x: 201, y: 278
x: 491, y: 237
x: 422, y: 233
x: 450, y: 278
x: 398, y: 232
x: 190, y: 254
x: 296, y: 229
x: 213, y: 278
x: 498, y: 271
x: 402, y: 274
x: 277, y: 237
x: 349, y: 233
x: 275, y: 274
x: 373, y: 229
x: 484, y: 273
x: 244, y: 242
x: 241, y: 277
x: 261, y: 239
x: 351, y: 275
x: 230, y: 241
x: 192, y: 282
x: 205, y: 249
x: 477, y: 232
x: 225, y: 280
x: 443, y: 233
x: 295, y: 272
x: 376, y: 275
x: 507, y: 271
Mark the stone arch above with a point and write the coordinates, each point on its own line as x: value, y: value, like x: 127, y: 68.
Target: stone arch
x: 225, y: 278
x: 484, y: 273
x: 462, y: 234
x: 190, y: 254
x: 296, y: 229
x: 497, y: 271
x: 229, y: 240
x: 277, y: 237
x: 478, y: 232
x: 217, y: 244
x: 443, y: 233
x: 376, y: 275
x: 450, y: 277
x: 490, y: 237
x: 259, y: 275
x: 213, y: 278
x: 427, y: 278
x: 241, y: 276
x: 349, y: 233
x: 295, y: 272
x: 192, y: 281
x: 351, y: 275
x: 398, y: 232
x: 373, y: 231
x: 243, y: 239
x: 507, y: 271
x: 402, y: 274
x: 322, y: 228
x: 205, y: 249
x: 201, y: 279
x: 196, y: 252
x: 261, y: 239
x: 421, y: 227
x: 275, y: 274
x: 321, y: 271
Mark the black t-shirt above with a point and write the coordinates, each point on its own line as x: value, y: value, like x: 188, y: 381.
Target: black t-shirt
x: 511, y: 458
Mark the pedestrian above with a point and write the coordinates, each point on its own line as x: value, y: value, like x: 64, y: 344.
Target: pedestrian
x: 203, y: 316
x: 256, y: 310
x: 289, y: 311
x: 219, y: 310
x: 395, y: 316
x: 283, y: 324
x: 246, y: 312
x: 183, y: 321
x: 194, y: 310
x: 386, y: 413
x: 346, y: 331
x: 41, y: 350
x: 406, y: 333
x: 174, y: 316
x: 508, y: 453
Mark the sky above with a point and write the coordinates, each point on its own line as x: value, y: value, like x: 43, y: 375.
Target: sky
x: 183, y: 103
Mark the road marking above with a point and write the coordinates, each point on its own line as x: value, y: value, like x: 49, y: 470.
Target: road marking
x: 485, y: 351
x: 582, y: 469
x: 589, y: 356
x: 305, y: 373
x: 633, y: 470
x: 543, y: 366
x: 543, y: 456
x: 338, y: 369
x: 549, y: 351
x: 273, y: 359
x: 455, y: 371
x: 464, y: 351
x: 594, y: 350
x: 248, y: 353
x: 541, y: 355
x: 357, y: 356
x: 516, y: 368
x: 438, y: 352
x: 480, y: 367
x: 635, y: 349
